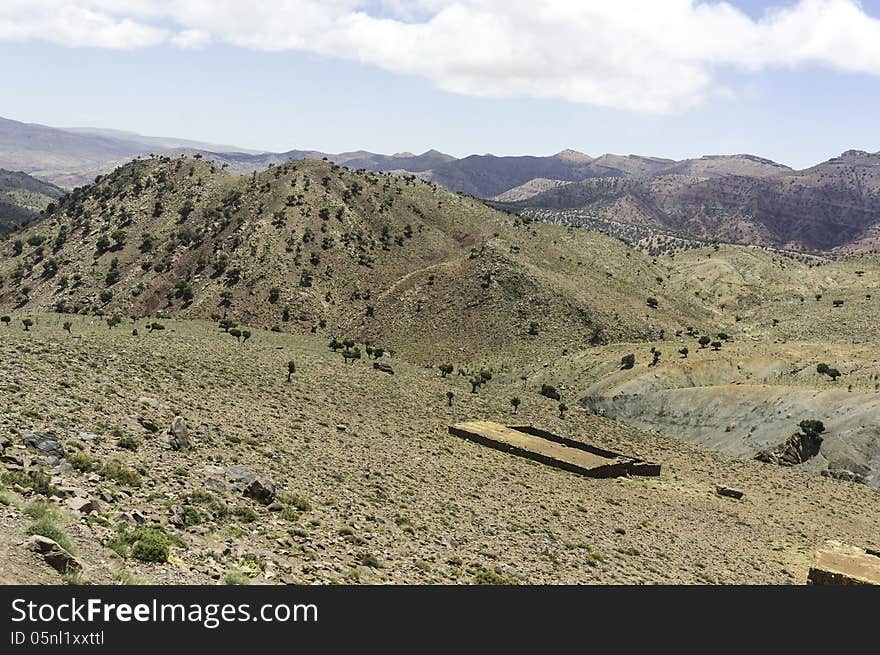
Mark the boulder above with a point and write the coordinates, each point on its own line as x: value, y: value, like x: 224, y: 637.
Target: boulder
x: 845, y: 475
x: 730, y: 492
x: 382, y: 366
x: 46, y: 443
x: 83, y: 505
x: 261, y: 489
x: 797, y: 449
x: 148, y: 424
x: 179, y: 434
x: 54, y: 555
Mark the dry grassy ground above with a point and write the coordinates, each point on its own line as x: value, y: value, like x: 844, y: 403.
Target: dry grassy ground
x: 373, y: 488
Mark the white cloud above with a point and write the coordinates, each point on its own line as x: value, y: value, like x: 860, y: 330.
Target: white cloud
x: 641, y: 55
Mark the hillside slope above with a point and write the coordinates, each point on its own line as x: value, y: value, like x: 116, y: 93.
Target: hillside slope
x: 311, y: 246
x: 835, y: 205
x: 23, y: 198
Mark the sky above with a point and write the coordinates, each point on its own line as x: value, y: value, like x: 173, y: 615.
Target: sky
x: 796, y: 81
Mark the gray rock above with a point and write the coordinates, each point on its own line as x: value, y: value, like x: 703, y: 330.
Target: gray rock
x: 177, y: 517
x: 237, y: 473
x: 46, y: 443
x: 261, y: 489
x: 179, y: 434
x: 730, y: 492
x: 797, y: 449
x: 83, y: 505
x: 54, y: 555
x: 148, y: 424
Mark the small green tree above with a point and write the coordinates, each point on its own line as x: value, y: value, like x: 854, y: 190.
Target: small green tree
x: 445, y: 369
x: 27, y: 323
x: 476, y: 381
x: 716, y: 345
x: 6, y: 319
x: 652, y: 303
x: 833, y: 373
x: 627, y: 361
x: 822, y: 368
x: 812, y: 427
x: 245, y: 335
x: 562, y: 409
x: 235, y: 332
x: 683, y: 352
x: 515, y: 402
x: 291, y: 369
x: 334, y: 344
x: 449, y: 397
x: 67, y: 325
x: 704, y: 341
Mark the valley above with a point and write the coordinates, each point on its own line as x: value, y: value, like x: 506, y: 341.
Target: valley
x: 210, y: 377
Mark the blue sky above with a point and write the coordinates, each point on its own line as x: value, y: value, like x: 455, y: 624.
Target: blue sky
x: 797, y: 113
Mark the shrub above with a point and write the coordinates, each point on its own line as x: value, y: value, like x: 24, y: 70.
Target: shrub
x: 81, y: 462
x: 812, y: 427
x: 34, y: 479
x: 296, y: 500
x: 150, y: 545
x: 627, y: 361
x: 119, y: 472
x: 128, y: 442
x: 704, y: 341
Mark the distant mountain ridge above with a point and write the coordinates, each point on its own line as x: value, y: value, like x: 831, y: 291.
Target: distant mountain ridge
x: 740, y: 198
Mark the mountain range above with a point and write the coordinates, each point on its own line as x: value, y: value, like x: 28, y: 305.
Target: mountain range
x: 833, y: 206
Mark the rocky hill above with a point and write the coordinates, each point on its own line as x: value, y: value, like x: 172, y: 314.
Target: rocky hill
x: 312, y: 246
x: 23, y: 198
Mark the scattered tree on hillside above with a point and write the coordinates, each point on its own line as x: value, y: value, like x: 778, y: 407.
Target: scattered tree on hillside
x: 704, y: 341
x: 515, y: 402
x: 449, y: 397
x: 351, y: 354
x: 652, y: 303
x: 67, y: 325
x: 6, y: 319
x: 562, y: 409
x: 716, y: 345
x: 627, y: 361
x: 291, y: 369
x: 445, y: 369
x: 27, y: 323
x: 683, y: 352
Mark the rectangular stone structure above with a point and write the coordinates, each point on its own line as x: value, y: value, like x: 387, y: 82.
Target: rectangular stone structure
x: 553, y: 450
x: 840, y: 564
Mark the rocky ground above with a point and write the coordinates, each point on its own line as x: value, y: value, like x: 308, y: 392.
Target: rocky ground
x: 346, y: 474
